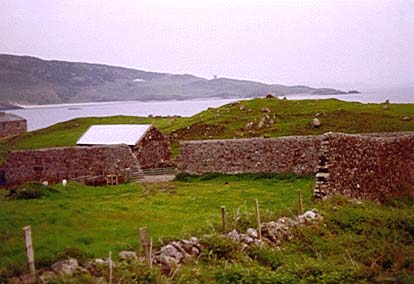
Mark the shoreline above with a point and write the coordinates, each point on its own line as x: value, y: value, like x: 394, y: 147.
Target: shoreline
x: 23, y: 106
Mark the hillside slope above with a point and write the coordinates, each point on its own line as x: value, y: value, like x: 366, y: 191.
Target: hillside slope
x: 30, y: 80
x: 248, y: 118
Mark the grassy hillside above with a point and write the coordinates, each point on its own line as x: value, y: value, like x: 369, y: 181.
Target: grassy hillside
x: 240, y: 120
x: 30, y: 80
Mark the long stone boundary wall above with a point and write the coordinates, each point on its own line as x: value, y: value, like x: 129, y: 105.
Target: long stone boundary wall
x: 294, y: 154
x: 55, y: 164
x: 373, y: 166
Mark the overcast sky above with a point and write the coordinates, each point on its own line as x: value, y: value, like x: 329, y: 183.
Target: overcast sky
x: 288, y: 42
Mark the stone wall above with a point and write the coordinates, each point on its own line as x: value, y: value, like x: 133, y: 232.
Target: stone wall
x: 374, y: 166
x: 294, y: 154
x: 55, y: 164
x: 153, y: 150
x: 11, y: 128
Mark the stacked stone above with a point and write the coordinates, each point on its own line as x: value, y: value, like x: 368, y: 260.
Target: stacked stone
x: 322, y: 176
x: 373, y: 166
x: 294, y: 154
x: 274, y: 233
x: 174, y: 253
x: 153, y: 150
x: 54, y: 164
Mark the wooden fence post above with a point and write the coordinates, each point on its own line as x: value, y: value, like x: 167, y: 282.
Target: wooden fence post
x: 110, y: 267
x: 300, y: 202
x: 29, y: 250
x: 145, y: 244
x: 224, y: 219
x: 259, y: 227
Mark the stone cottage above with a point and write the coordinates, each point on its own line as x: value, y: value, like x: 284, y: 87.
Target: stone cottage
x: 11, y: 124
x: 150, y: 146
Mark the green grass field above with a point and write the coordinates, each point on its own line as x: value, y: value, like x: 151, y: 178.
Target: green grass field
x: 228, y: 121
x: 98, y: 219
x: 357, y: 242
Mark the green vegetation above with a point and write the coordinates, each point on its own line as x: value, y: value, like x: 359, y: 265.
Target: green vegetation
x: 98, y: 219
x: 357, y: 242
x: 285, y: 118
x: 30, y: 191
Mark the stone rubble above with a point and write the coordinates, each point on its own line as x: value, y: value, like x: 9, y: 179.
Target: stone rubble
x: 65, y: 267
x: 127, y: 255
x: 170, y: 256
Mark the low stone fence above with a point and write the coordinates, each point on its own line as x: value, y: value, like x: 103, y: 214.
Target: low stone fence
x: 294, y: 154
x: 373, y: 166
x: 55, y: 164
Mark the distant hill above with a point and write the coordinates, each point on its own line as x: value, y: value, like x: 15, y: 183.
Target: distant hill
x: 30, y: 80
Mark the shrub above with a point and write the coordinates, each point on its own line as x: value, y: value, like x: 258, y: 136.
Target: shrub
x: 10, y: 270
x: 139, y: 273
x: 30, y: 191
x: 219, y: 247
x: 266, y: 256
x: 253, y: 275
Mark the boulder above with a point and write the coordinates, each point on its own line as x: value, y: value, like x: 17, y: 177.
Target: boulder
x: 252, y: 233
x: 195, y: 251
x: 246, y: 239
x: 265, y: 109
x: 127, y: 255
x: 234, y: 236
x: 242, y: 107
x: 187, y: 246
x: 406, y: 118
x: 249, y: 125
x: 310, y: 215
x: 194, y: 241
x: 171, y: 251
x: 168, y: 264
x: 316, y: 123
x: 65, y: 267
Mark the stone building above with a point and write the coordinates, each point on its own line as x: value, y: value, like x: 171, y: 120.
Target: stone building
x: 150, y: 146
x: 11, y: 124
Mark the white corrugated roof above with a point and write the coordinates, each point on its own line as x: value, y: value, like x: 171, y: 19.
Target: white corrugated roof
x: 111, y: 134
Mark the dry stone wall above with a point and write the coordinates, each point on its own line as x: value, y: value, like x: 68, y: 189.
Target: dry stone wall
x: 153, y: 150
x: 55, y: 164
x: 374, y: 166
x: 11, y: 128
x: 294, y: 154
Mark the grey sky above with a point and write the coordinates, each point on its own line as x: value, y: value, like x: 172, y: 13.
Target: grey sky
x: 288, y: 42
